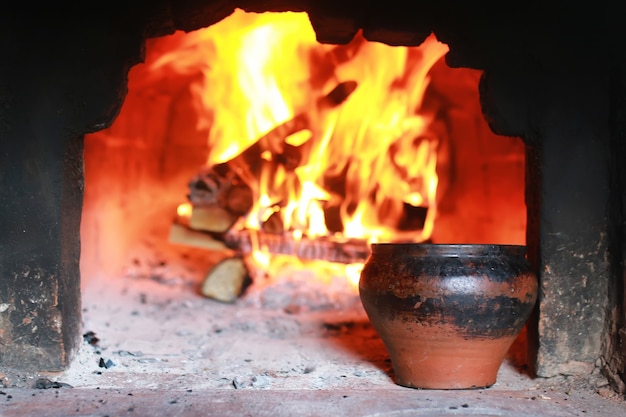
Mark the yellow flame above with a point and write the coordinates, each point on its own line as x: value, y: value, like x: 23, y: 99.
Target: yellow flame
x: 264, y: 71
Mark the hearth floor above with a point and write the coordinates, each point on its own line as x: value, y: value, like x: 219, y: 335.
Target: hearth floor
x: 154, y: 347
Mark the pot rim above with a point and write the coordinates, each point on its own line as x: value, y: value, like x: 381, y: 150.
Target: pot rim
x: 449, y: 249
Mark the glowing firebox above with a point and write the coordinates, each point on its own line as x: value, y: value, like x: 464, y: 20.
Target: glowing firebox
x: 309, y: 140
x: 302, y: 149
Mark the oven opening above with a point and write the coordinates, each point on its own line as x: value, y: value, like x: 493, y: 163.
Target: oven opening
x: 251, y: 164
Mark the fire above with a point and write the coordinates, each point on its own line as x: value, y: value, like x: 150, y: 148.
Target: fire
x: 330, y: 139
x: 184, y: 210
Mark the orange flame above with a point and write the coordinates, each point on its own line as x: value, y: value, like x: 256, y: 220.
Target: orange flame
x: 366, y: 155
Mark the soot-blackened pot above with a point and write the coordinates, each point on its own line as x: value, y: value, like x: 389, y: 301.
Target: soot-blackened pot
x: 447, y: 313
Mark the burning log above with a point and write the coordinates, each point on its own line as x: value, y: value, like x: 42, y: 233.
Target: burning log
x: 242, y: 242
x: 247, y: 165
x: 219, y: 198
x: 227, y: 280
x: 273, y: 224
x: 319, y: 248
x: 220, y: 194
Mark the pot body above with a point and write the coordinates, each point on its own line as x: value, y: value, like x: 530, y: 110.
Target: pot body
x: 447, y: 313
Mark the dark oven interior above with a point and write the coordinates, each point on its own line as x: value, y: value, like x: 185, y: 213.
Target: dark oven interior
x: 550, y: 82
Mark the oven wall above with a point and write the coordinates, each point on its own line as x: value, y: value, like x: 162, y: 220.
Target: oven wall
x: 615, y: 339
x: 570, y: 113
x: 59, y: 80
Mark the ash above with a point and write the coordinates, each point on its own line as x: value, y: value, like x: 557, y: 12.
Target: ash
x: 293, y: 334
x: 302, y: 292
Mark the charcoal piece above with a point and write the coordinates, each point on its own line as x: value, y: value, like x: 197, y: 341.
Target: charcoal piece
x: 105, y: 364
x: 239, y: 383
x: 90, y: 338
x: 44, y: 383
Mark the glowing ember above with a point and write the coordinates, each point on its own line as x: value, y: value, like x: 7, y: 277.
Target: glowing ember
x: 184, y: 210
x: 343, y: 148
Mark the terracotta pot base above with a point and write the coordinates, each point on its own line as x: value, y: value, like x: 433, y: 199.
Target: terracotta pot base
x: 430, y: 360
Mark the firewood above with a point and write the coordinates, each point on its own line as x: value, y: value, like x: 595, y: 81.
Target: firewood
x: 320, y: 248
x: 222, y: 193
x: 240, y: 242
x: 238, y: 199
x: 227, y: 280
x: 338, y: 95
x: 247, y: 165
x: 214, y: 219
x: 273, y: 224
x: 219, y: 186
x: 183, y: 235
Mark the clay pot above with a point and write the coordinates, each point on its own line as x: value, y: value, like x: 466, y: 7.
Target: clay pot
x: 447, y: 313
